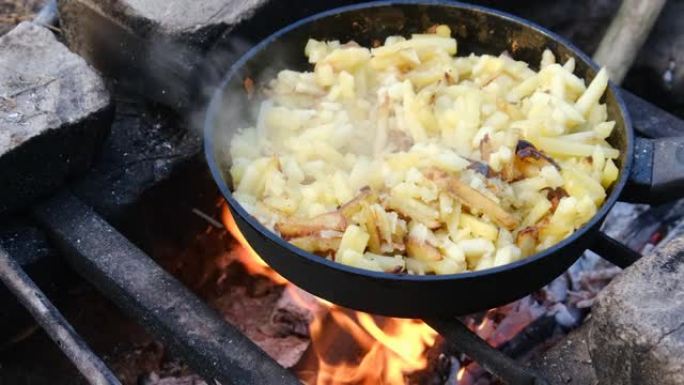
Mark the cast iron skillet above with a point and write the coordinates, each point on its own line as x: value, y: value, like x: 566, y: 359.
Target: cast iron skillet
x: 479, y: 30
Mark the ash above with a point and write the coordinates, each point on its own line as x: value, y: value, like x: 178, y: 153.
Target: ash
x: 524, y: 329
x: 528, y: 327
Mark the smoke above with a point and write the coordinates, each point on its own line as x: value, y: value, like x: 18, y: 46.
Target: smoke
x: 236, y: 104
x: 182, y: 73
x: 183, y: 76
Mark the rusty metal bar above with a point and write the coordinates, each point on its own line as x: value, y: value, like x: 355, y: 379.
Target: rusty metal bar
x: 458, y: 335
x: 131, y: 279
x: 54, y: 324
x: 614, y: 251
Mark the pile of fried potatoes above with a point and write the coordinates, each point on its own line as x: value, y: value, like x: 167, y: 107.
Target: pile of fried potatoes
x: 404, y: 158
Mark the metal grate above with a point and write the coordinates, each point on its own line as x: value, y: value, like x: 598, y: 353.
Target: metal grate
x: 212, y: 347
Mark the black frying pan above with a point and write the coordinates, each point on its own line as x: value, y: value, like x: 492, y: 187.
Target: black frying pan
x: 479, y: 30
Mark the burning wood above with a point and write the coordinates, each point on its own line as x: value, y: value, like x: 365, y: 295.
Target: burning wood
x: 325, y: 344
x: 295, y: 311
x: 390, y: 348
x: 252, y: 314
x: 356, y: 348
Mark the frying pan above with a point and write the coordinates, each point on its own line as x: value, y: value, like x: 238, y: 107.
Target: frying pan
x: 654, y: 170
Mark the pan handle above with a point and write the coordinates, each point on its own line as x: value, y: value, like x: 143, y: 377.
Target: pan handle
x: 657, y: 175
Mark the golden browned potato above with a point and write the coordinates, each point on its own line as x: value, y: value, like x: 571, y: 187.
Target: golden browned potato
x: 405, y: 158
x: 317, y: 243
x: 297, y: 227
x: 479, y: 201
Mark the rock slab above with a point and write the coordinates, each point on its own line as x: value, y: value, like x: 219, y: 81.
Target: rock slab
x: 568, y: 362
x: 152, y: 47
x: 637, y: 331
x: 53, y: 114
x: 187, y: 16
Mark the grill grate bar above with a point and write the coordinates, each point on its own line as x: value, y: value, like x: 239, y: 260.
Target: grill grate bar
x: 58, y: 328
x: 462, y: 339
x: 131, y: 279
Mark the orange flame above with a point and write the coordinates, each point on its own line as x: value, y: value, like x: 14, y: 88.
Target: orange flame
x: 391, y: 348
x: 460, y: 374
x: 252, y: 261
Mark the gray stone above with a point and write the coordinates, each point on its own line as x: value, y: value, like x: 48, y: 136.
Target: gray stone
x: 181, y: 20
x: 150, y: 46
x: 568, y: 362
x: 53, y: 110
x: 187, y: 16
x: 36, y: 94
x: 637, y: 331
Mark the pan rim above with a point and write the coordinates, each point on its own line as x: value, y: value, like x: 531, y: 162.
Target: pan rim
x: 237, y: 208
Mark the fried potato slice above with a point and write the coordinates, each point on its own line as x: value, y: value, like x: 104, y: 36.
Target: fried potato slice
x: 476, y: 200
x: 299, y: 227
x: 354, y: 240
x: 421, y: 243
x: 422, y: 251
x: 527, y: 239
x: 470, y: 162
x: 568, y: 148
x: 366, y: 196
x: 394, y: 264
x: 415, y: 209
x: 472, y: 198
x: 486, y: 148
x: 317, y: 243
x: 371, y: 224
x: 478, y: 227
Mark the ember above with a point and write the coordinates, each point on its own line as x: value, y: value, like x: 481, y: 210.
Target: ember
x: 129, y: 214
x: 351, y: 347
x: 348, y: 347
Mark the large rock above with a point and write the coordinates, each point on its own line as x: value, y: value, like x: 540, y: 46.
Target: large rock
x: 637, y: 332
x: 184, y: 17
x: 568, y: 362
x: 151, y: 46
x: 53, y: 114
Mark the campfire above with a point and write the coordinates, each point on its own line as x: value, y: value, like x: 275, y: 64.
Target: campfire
x: 134, y: 220
x: 351, y: 347
x: 347, y: 347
